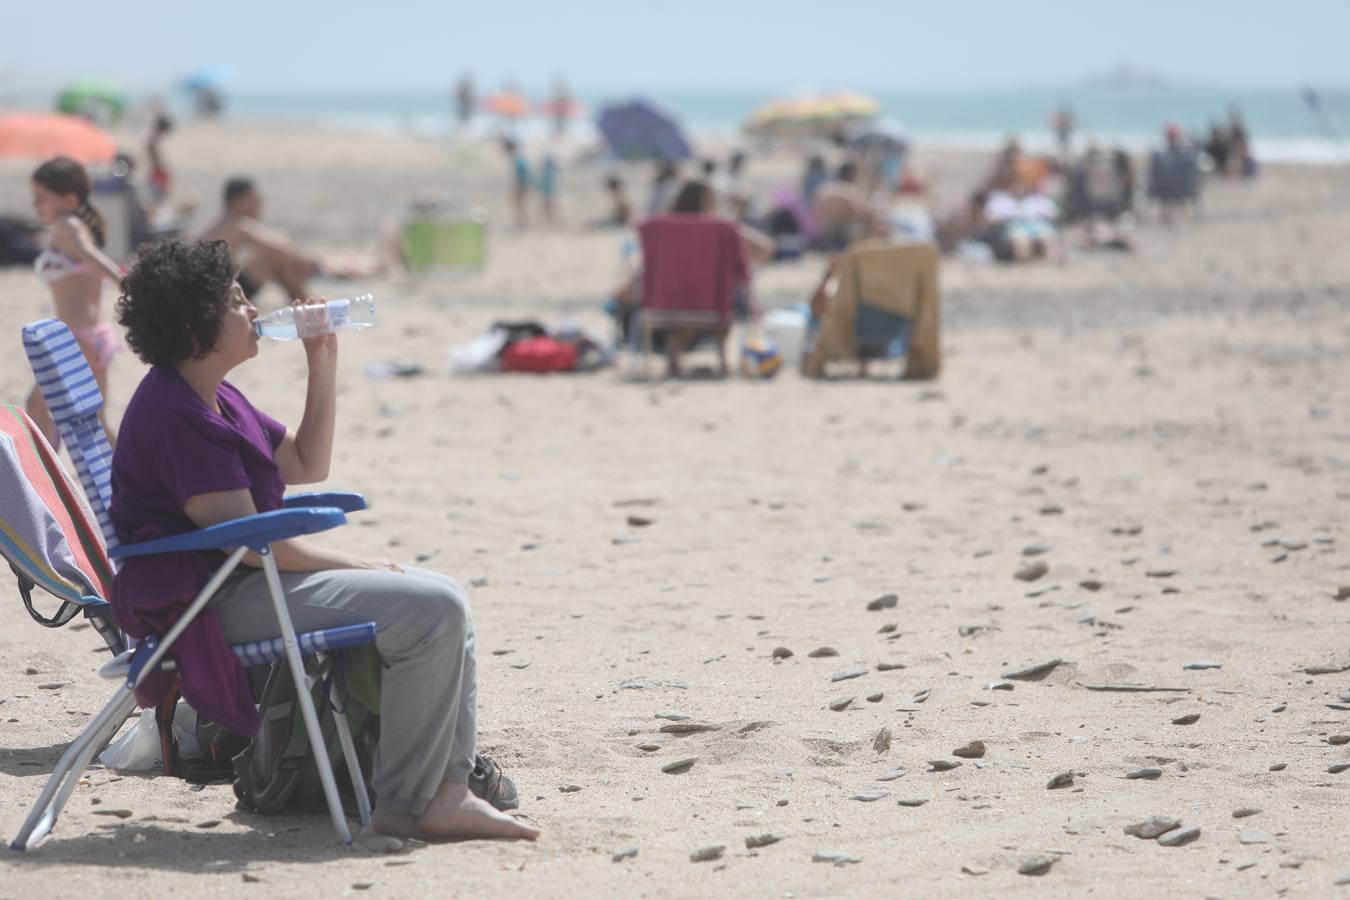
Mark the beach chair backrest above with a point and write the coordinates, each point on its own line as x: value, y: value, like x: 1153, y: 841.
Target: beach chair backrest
x: 68, y: 385
x: 47, y: 530
x: 691, y: 264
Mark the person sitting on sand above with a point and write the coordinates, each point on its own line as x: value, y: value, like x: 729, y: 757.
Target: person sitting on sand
x: 1022, y: 224
x: 841, y: 211
x: 664, y: 187
x: 620, y: 210
x: 195, y: 452
x: 266, y: 254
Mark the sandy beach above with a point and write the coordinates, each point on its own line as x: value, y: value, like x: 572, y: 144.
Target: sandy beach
x: 1160, y: 429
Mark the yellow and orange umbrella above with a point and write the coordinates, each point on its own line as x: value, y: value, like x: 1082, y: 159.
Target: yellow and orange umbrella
x: 810, y: 112
x: 40, y: 135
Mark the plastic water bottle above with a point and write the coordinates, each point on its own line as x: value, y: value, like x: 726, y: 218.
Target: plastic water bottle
x: 297, y: 323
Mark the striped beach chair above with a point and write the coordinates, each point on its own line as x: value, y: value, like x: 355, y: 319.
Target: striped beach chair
x: 72, y: 395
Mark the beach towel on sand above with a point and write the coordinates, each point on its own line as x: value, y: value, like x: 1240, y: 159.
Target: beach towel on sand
x: 896, y: 278
x: 691, y: 267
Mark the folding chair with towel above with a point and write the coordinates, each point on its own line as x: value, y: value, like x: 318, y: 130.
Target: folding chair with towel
x: 887, y: 294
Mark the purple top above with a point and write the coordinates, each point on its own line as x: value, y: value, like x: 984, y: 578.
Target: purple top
x: 172, y: 447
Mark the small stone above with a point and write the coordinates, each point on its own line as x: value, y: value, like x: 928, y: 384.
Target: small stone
x: 520, y: 664
x: 889, y: 665
x: 1279, y: 767
x: 921, y: 696
x: 847, y: 674
x: 649, y: 748
x: 1253, y: 836
x: 1203, y: 664
x: 912, y: 801
x: 885, y: 601
x: 874, y: 698
x: 671, y: 716
x: 1036, y: 865
x: 1160, y: 573
x: 1090, y: 584
x: 1152, y: 827
x: 973, y: 750
x: 1279, y: 707
x: 1343, y: 592
x: 1338, y: 768
x: 1051, y: 509
x: 1030, y: 571
x: 891, y: 775
x: 762, y: 840
x: 362, y: 885
x: 250, y: 879
x: 870, y: 796
x: 1062, y: 780
x: 781, y: 653
x: 1338, y: 739
x: 1188, y: 719
x: 888, y: 628
x: 822, y: 651
x: 840, y: 704
x: 1147, y: 774
x: 569, y: 788
x: 31, y: 671
x: 679, y: 766
x: 1034, y: 672
x: 686, y: 727
x: 209, y: 823
x: 1035, y: 550
x: 1002, y: 686
x: 882, y: 742
x: 1243, y: 812
x: 973, y: 870
x: 781, y: 803
x: 837, y: 857
x: 1180, y: 836
x: 942, y: 765
x: 625, y: 853
x: 707, y: 854
x: 116, y: 813
x: 1342, y: 880
x: 639, y: 521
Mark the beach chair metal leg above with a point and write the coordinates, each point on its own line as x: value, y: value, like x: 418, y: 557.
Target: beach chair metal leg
x: 66, y: 776
x: 349, y: 754
x: 297, y: 667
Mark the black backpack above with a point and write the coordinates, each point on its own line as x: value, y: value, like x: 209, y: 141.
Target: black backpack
x: 276, y: 771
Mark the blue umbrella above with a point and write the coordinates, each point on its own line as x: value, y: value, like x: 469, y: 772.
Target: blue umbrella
x: 639, y: 129
x: 212, y: 78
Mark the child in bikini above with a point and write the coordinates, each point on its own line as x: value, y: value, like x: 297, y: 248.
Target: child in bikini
x: 74, y: 266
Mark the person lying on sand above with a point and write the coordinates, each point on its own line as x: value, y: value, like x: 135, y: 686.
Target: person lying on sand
x: 267, y: 254
x: 187, y: 317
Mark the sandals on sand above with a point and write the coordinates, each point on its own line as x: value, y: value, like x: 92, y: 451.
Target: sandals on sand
x: 487, y: 781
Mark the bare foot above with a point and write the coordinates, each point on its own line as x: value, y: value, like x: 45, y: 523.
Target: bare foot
x: 456, y: 814
x: 392, y: 824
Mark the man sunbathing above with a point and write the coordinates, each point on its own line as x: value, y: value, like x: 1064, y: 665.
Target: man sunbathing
x: 267, y: 254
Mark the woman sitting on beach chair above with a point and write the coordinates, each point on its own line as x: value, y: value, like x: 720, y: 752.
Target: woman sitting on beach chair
x: 195, y: 452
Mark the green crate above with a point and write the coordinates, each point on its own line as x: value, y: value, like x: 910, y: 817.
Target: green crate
x: 446, y: 241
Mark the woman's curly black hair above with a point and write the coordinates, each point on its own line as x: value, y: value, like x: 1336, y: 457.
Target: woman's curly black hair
x: 174, y: 298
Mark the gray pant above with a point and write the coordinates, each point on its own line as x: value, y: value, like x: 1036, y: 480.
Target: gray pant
x: 423, y: 632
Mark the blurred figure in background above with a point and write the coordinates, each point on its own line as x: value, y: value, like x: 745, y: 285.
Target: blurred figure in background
x: 547, y: 185
x: 664, y: 187
x: 520, y: 180
x: 620, y: 210
x: 1062, y: 125
x: 465, y: 100
x: 814, y: 176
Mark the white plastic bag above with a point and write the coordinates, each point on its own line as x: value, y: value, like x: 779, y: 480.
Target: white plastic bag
x: 479, y: 355
x: 138, y: 750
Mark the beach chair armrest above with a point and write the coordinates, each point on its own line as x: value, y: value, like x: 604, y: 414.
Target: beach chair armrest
x: 347, y: 501
x: 254, y: 532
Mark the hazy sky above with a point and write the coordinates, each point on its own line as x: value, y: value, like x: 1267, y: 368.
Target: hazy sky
x: 696, y: 44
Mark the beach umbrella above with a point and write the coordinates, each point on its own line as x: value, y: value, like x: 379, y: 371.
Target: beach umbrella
x: 42, y: 135
x: 93, y: 100
x: 212, y: 78
x: 811, y: 114
x: 884, y: 136
x: 507, y: 104
x: 638, y: 129
x: 560, y: 108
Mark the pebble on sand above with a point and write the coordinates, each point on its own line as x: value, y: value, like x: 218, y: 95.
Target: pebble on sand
x: 1188, y: 719
x: 1253, y: 836
x: 762, y: 840
x: 1148, y: 773
x: 1062, y: 780
x: 885, y: 601
x: 1152, y: 827
x: 973, y: 750
x: 942, y: 765
x: 1030, y: 673
x: 822, y: 651
x: 569, y: 788
x: 1030, y: 571
x: 912, y: 801
x: 838, y: 857
x: 1036, y: 865
x: 889, y: 665
x: 781, y: 653
x: 679, y: 766
x: 707, y: 854
x: 870, y: 796
x: 625, y: 853
x: 882, y: 742
x: 1243, y: 812
x: 1338, y: 739
x: 840, y: 704
x: 1180, y: 836
x: 846, y: 674
x: 1201, y: 664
